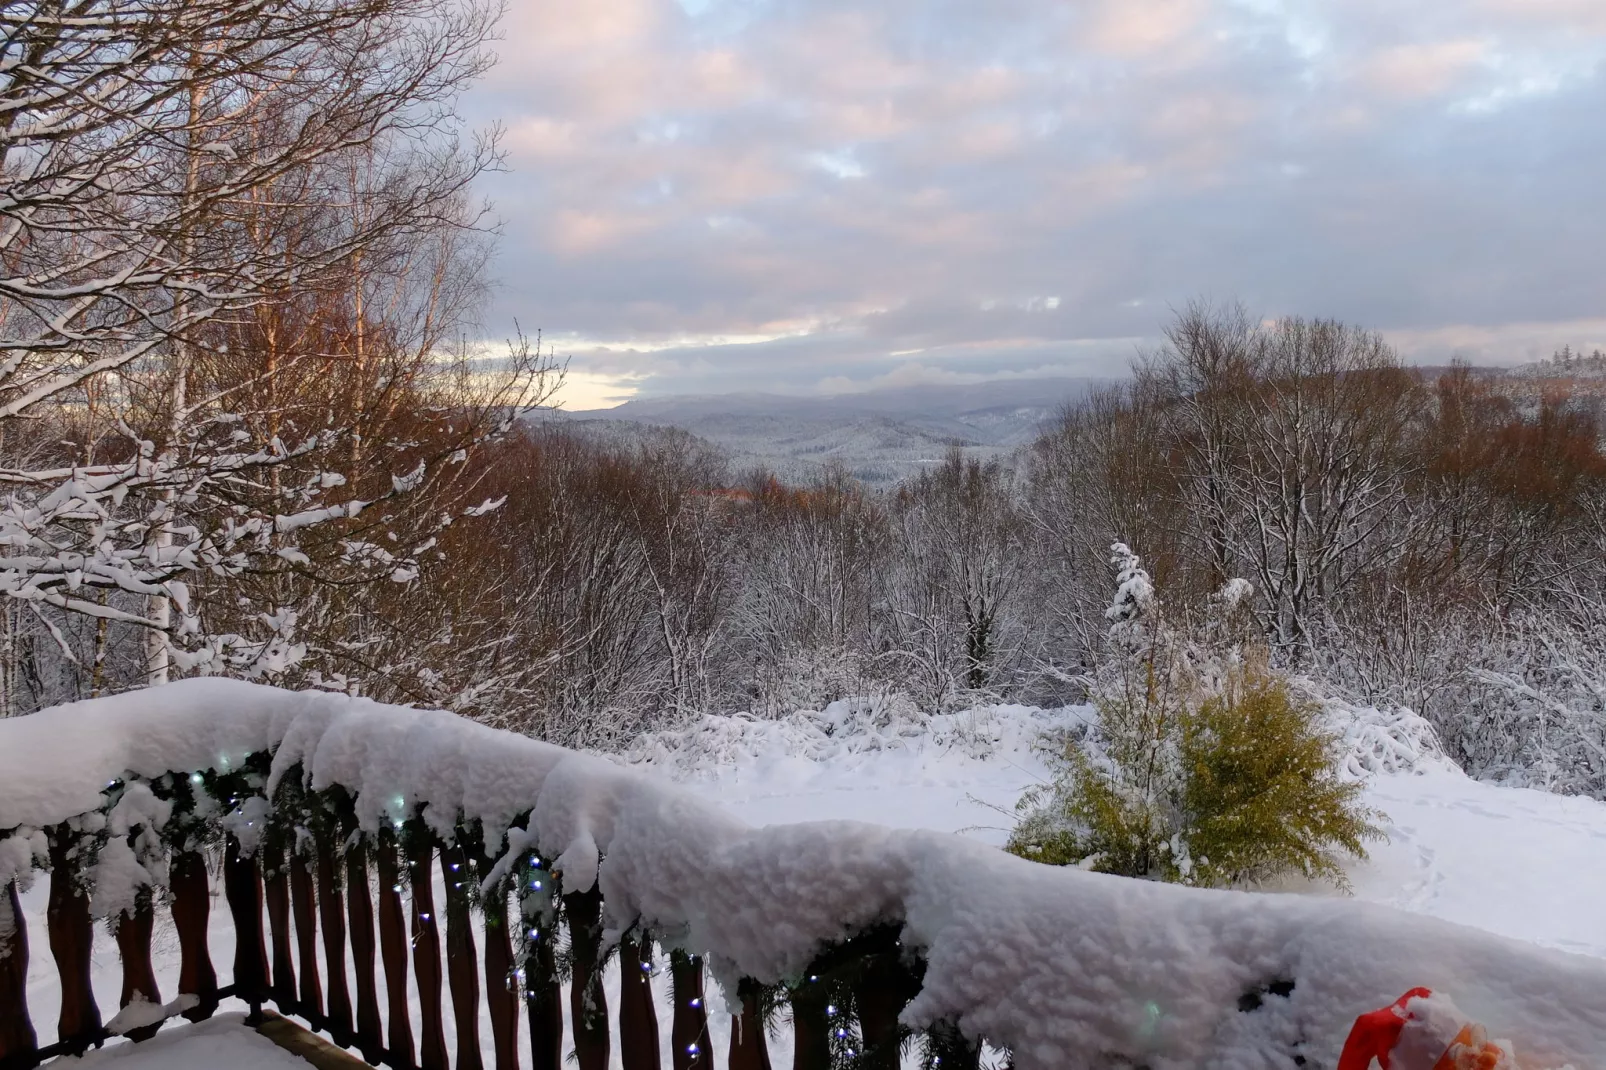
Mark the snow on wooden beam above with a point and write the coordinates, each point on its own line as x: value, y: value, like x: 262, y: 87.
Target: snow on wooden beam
x: 1057, y: 965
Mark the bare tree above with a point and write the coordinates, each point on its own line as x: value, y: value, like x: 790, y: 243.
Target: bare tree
x: 962, y: 562
x: 1203, y: 379
x: 169, y: 171
x: 807, y: 621
x: 1324, y: 437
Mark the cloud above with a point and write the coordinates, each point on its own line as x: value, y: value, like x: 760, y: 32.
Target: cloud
x: 1423, y: 70
x: 1564, y: 16
x: 1129, y: 29
x: 742, y: 194
x: 1499, y: 343
x: 917, y: 374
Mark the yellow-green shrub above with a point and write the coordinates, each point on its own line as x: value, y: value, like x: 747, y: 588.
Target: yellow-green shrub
x: 1261, y: 791
x: 1235, y: 787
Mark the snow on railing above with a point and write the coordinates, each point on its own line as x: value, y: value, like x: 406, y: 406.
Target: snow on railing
x: 333, y: 812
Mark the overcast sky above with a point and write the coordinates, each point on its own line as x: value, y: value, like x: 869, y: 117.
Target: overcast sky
x: 808, y: 195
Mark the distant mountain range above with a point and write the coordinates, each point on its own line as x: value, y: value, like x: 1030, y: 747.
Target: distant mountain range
x: 885, y: 436
x: 880, y: 436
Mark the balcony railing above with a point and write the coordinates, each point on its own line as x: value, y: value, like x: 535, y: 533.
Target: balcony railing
x: 332, y: 823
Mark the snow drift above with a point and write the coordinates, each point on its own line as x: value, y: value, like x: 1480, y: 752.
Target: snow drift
x: 1065, y: 968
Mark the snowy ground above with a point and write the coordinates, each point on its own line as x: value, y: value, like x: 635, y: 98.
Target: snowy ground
x: 1521, y: 863
x: 221, y: 1043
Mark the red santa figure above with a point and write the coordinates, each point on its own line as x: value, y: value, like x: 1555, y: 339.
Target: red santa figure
x: 1423, y: 1030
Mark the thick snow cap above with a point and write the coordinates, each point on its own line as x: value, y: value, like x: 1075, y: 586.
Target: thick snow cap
x: 1066, y: 968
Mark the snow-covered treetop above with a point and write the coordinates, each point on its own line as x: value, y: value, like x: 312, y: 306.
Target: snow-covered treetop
x: 1058, y: 965
x: 1132, y: 607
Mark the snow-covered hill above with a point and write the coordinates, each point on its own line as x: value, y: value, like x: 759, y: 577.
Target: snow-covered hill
x: 880, y: 436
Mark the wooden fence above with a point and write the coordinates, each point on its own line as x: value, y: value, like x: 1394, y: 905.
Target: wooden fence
x: 308, y: 878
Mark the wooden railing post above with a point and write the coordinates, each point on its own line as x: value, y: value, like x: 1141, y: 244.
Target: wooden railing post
x: 588, y: 1004
x: 133, y: 931
x: 304, y: 905
x: 276, y: 894
x: 462, y: 964
x: 426, y: 949
x: 332, y: 913
x: 72, y: 935
x: 19, y: 1043
x: 545, y: 1012
x: 393, y: 949
x: 192, y: 902
x: 638, y: 1021
x: 501, y: 991
x: 881, y: 990
x: 535, y: 889
x: 749, y: 1047
x: 360, y: 912
x: 242, y: 887
x: 689, y: 1046
x: 811, y: 1024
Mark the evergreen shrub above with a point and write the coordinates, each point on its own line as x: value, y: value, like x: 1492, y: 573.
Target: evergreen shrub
x: 1203, y: 768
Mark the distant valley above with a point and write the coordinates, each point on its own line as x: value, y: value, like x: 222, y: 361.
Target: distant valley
x: 881, y: 437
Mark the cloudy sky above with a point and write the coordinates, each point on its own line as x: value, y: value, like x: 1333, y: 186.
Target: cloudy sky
x: 825, y: 195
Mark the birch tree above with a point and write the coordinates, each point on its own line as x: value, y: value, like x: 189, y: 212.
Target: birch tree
x: 168, y: 170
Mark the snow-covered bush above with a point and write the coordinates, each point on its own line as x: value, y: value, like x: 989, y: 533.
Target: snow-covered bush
x: 1204, y: 767
x: 852, y: 726
x: 1518, y: 698
x: 1540, y: 714
x: 809, y: 679
x: 1378, y: 739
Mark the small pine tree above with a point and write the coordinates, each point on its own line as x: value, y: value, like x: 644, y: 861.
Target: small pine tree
x: 1204, y: 768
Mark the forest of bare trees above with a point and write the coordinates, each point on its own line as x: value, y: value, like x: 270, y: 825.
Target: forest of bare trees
x: 1432, y: 539
x: 243, y: 430
x: 1427, y: 538
x: 1420, y: 538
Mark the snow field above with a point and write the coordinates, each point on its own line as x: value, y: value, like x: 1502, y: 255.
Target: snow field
x: 1515, y: 861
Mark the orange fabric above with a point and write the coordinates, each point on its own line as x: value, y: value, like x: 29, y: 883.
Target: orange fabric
x: 1471, y: 1050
